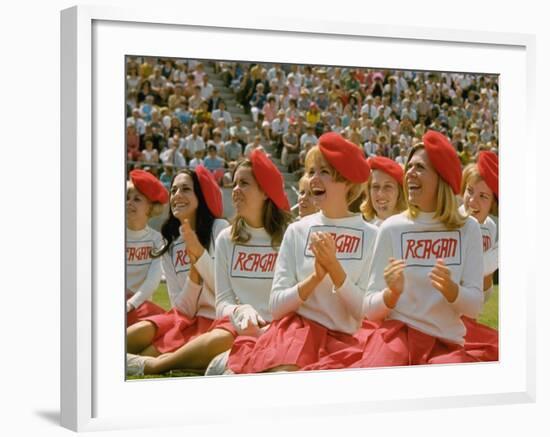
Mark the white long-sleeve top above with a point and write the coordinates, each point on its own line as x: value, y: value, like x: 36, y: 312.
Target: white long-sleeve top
x: 490, y: 244
x: 143, y: 273
x: 341, y: 309
x: 490, y: 248
x: 244, y: 272
x: 420, y: 242
x: 190, y: 298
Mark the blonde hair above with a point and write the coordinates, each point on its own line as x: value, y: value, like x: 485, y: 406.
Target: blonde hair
x: 156, y: 207
x: 446, y: 208
x: 367, y: 208
x: 316, y: 157
x: 274, y: 220
x: 470, y: 176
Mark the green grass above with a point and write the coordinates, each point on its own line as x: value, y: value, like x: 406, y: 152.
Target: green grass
x: 489, y: 317
x: 160, y: 297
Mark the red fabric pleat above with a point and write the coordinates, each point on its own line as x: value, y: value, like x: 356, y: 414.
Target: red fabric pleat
x: 393, y: 343
x: 174, y: 329
x: 292, y: 340
x: 480, y: 340
x: 146, y: 309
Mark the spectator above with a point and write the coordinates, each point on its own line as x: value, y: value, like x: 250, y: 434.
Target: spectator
x: 137, y: 121
x: 256, y: 144
x: 132, y: 143
x: 232, y: 150
x: 212, y: 161
x: 309, y: 136
x: 194, y: 144
x: 222, y: 113
x: 291, y: 149
x: 149, y: 155
x: 197, y: 160
x: 240, y: 131
x: 207, y: 89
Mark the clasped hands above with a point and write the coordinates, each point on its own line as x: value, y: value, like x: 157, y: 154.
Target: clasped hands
x: 324, y: 249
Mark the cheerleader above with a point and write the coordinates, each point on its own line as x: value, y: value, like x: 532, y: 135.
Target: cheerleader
x: 247, y: 252
x: 480, y: 194
x: 384, y: 194
x: 322, y: 269
x: 306, y: 206
x: 145, y: 197
x: 427, y: 268
x: 187, y: 336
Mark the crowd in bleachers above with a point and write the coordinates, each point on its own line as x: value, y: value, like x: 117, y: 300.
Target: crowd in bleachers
x: 177, y: 118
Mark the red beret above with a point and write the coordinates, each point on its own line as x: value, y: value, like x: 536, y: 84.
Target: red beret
x: 210, y: 190
x: 345, y: 157
x: 444, y: 158
x: 269, y: 179
x: 487, y: 164
x: 149, y: 186
x: 388, y: 166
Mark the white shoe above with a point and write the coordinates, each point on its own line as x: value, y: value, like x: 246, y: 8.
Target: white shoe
x: 135, y: 365
x: 218, y: 365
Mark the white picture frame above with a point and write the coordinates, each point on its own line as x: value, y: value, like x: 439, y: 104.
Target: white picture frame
x: 94, y: 395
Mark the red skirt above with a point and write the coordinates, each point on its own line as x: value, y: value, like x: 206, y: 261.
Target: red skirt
x: 175, y: 329
x: 393, y: 343
x: 480, y: 340
x: 292, y: 340
x: 146, y: 309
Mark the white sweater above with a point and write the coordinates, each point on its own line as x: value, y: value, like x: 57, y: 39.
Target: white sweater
x: 420, y: 242
x: 142, y: 272
x: 340, y: 309
x: 244, y: 272
x: 490, y: 244
x: 190, y: 298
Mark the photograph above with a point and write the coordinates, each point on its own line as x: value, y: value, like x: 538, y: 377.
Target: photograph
x: 285, y: 217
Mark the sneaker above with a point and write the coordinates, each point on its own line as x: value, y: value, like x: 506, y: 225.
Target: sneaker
x: 135, y: 365
x: 218, y: 366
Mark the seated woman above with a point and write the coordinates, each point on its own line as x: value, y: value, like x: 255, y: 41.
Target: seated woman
x: 427, y: 269
x: 187, y: 336
x: 246, y: 253
x: 384, y: 195
x: 480, y: 194
x: 145, y: 197
x: 322, y: 269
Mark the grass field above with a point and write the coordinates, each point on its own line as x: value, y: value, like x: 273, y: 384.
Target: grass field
x: 489, y: 317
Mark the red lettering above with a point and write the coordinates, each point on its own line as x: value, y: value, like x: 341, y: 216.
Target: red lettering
x: 346, y: 243
x: 255, y: 262
x: 182, y: 259
x: 426, y: 249
x: 410, y: 246
x: 131, y: 253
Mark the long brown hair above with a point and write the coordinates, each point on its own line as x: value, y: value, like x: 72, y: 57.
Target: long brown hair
x: 274, y: 220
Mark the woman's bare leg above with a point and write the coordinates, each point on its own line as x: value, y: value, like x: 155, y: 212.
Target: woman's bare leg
x: 195, y: 354
x: 140, y: 336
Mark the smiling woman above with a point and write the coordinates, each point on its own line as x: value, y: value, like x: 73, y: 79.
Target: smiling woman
x: 426, y: 272
x: 321, y: 271
x: 187, y: 336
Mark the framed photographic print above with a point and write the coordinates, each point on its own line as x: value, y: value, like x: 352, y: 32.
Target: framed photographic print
x: 98, y: 46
